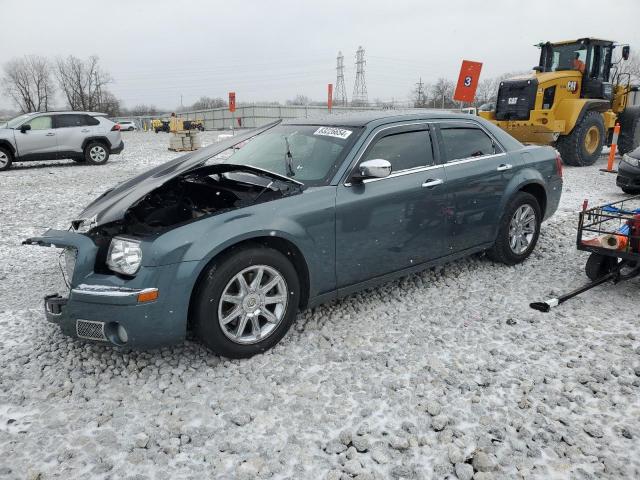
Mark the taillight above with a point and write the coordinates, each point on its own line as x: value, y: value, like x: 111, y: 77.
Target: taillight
x: 559, y: 164
x: 115, y: 128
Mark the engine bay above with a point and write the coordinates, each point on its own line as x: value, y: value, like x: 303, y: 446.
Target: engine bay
x: 199, y: 193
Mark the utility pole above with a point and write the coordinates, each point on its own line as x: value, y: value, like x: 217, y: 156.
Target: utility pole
x: 360, y: 96
x: 340, y: 93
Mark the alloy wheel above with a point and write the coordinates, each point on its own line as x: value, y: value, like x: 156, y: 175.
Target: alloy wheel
x: 522, y: 229
x: 98, y: 154
x: 4, y: 159
x: 253, y: 304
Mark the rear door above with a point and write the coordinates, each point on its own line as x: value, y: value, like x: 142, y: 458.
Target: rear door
x: 39, y: 143
x: 388, y: 224
x: 478, y: 171
x: 71, y: 130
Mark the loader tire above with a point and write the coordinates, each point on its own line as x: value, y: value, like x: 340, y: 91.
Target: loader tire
x: 583, y: 146
x: 629, y: 130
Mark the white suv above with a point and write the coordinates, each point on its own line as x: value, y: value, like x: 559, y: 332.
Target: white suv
x: 127, y: 125
x: 82, y: 136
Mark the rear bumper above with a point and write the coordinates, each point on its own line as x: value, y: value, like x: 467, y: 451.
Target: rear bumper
x: 117, y: 149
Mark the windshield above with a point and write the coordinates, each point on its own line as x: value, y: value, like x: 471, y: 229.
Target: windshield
x: 14, y: 122
x: 570, y: 56
x: 311, y: 153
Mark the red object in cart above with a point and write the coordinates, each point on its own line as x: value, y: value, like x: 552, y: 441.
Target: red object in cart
x: 634, y: 233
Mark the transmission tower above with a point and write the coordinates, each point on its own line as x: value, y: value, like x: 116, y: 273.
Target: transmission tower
x: 360, y: 88
x: 340, y: 93
x: 421, y: 99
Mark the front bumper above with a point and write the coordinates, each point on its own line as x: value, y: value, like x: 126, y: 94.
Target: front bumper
x: 628, y: 176
x: 102, y: 307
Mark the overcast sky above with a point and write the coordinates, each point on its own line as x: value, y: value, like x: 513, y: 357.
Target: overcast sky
x: 158, y: 50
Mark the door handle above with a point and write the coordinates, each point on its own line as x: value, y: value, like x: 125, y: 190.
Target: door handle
x: 504, y: 166
x: 84, y: 130
x: 51, y: 134
x: 432, y: 182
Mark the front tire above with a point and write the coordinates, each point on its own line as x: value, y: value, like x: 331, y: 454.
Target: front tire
x: 96, y: 153
x: 6, y: 159
x: 583, y: 146
x: 518, y: 231
x: 246, y: 301
x: 630, y: 191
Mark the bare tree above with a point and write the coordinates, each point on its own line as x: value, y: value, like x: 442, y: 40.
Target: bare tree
x: 109, y: 104
x: 28, y: 82
x: 632, y: 67
x: 442, y: 93
x: 207, y: 103
x: 83, y: 83
x: 299, y: 100
x: 142, y: 109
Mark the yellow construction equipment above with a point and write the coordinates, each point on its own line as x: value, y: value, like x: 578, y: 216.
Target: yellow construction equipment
x: 572, y: 100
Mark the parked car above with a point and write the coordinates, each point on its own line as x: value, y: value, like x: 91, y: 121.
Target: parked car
x: 628, y: 178
x: 82, y: 136
x: 127, y: 125
x: 305, y: 212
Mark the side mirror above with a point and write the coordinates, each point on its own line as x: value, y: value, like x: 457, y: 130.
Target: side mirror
x: 376, y: 168
x: 537, y: 68
x: 24, y: 128
x: 625, y: 52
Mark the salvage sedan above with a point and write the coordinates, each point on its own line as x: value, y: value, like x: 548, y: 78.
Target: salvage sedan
x: 231, y: 241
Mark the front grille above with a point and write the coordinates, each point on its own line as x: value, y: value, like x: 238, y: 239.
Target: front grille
x: 90, y: 329
x: 516, y: 98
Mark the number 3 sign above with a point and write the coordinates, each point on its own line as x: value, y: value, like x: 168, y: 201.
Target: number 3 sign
x: 467, y: 81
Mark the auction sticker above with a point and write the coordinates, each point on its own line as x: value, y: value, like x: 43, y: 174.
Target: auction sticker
x: 342, y: 133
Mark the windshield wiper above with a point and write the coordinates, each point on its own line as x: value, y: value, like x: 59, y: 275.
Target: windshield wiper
x: 288, y: 160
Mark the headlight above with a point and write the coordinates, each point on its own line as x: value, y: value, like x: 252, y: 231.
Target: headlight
x: 124, y: 256
x: 635, y: 162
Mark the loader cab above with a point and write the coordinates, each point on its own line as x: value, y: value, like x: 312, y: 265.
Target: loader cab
x: 591, y: 57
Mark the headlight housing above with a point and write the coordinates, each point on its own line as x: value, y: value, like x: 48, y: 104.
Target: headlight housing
x: 124, y: 256
x: 635, y: 162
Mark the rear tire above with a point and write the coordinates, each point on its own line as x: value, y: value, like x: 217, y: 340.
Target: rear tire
x: 630, y: 191
x: 583, y: 146
x: 221, y: 278
x: 6, y: 159
x: 599, y: 265
x: 517, y: 237
x: 629, y: 130
x: 96, y: 153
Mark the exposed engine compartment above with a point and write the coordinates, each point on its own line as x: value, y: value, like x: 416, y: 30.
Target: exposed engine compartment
x: 202, y: 192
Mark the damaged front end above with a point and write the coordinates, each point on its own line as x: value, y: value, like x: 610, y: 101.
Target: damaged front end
x: 116, y: 286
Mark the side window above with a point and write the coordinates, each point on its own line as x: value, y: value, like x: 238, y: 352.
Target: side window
x: 40, y: 123
x: 89, y: 120
x: 64, y: 121
x: 403, y: 150
x: 465, y: 142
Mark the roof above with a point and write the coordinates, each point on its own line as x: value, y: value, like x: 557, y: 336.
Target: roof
x: 362, y: 118
x: 577, y: 40
x: 60, y: 112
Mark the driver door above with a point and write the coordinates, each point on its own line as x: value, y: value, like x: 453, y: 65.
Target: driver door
x: 384, y: 225
x: 39, y: 143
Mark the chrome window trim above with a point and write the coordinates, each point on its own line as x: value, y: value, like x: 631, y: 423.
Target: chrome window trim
x: 399, y: 173
x: 473, y: 159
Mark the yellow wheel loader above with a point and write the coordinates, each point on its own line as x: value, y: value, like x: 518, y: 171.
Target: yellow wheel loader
x: 573, y: 100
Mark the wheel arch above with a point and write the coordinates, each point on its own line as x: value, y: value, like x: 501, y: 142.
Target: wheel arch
x: 9, y: 146
x: 280, y: 244
x: 100, y: 139
x: 574, y: 110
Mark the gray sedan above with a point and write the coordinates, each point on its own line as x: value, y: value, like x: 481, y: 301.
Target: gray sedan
x: 231, y: 241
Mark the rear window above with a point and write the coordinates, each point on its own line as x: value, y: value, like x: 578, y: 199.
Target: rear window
x: 465, y: 142
x: 72, y: 120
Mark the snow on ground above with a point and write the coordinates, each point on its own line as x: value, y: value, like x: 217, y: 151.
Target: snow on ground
x: 438, y: 374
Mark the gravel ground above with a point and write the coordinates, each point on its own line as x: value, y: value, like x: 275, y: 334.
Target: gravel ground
x: 443, y: 374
